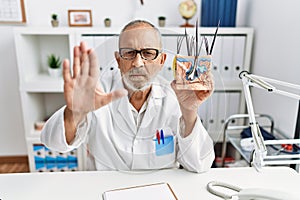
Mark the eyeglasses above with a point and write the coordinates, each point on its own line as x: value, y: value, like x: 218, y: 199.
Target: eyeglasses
x: 146, y: 54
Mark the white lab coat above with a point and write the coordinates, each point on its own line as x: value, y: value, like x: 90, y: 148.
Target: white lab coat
x: 116, y: 143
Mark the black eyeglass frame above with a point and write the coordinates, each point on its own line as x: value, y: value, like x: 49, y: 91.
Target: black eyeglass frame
x: 140, y: 52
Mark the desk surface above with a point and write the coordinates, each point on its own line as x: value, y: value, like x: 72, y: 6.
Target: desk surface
x: 186, y: 185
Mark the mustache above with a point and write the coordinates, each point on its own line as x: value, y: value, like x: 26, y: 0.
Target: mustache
x: 137, y: 71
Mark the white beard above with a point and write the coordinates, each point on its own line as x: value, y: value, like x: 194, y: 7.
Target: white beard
x: 141, y: 85
x: 134, y: 88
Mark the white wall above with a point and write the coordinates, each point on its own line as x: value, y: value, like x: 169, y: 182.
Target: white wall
x: 120, y: 12
x: 276, y: 55
x: 12, y: 139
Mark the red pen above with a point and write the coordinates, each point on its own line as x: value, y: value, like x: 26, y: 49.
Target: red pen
x: 157, y: 137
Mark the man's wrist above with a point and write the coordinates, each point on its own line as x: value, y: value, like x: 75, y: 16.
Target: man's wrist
x: 74, y: 117
x: 189, y: 119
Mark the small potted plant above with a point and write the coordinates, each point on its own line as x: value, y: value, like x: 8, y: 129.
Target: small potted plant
x: 161, y: 21
x: 54, y: 65
x: 107, y: 22
x: 54, y: 20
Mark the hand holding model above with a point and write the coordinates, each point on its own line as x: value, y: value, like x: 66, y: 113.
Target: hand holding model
x: 190, y: 101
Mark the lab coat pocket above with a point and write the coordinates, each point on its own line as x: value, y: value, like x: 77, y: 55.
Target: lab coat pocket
x: 165, y: 146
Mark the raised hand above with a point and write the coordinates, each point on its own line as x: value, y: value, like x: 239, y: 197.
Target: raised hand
x: 82, y: 91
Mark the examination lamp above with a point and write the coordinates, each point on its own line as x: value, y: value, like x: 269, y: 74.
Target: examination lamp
x: 259, y: 156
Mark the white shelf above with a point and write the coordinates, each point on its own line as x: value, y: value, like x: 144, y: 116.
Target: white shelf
x: 35, y: 135
x: 43, y: 83
x: 116, y: 30
x: 208, y: 30
x: 44, y: 30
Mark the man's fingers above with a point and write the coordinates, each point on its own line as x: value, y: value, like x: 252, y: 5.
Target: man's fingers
x: 66, y: 71
x: 85, y: 60
x: 118, y: 94
x: 173, y: 84
x: 83, y: 47
x: 85, y: 64
x: 106, y: 98
x: 76, y: 64
x: 94, y: 68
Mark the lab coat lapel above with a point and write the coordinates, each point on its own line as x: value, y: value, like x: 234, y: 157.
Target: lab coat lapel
x: 124, y: 112
x: 154, y: 104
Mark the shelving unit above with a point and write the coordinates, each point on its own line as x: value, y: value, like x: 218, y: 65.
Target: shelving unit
x: 41, y: 95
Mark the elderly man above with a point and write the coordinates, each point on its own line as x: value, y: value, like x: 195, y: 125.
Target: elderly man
x: 135, y: 120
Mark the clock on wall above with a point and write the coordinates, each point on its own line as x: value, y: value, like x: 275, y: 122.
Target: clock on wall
x: 187, y: 10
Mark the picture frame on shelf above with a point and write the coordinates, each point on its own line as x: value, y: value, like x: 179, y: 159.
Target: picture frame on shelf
x: 13, y: 12
x: 80, y: 18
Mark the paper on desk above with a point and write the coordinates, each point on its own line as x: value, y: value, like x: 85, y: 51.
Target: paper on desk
x: 145, y: 192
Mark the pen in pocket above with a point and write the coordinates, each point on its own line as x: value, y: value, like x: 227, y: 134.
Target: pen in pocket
x: 157, y: 137
x: 162, y: 136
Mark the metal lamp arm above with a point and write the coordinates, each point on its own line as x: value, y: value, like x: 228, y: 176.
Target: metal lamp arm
x: 259, y: 146
x: 262, y: 83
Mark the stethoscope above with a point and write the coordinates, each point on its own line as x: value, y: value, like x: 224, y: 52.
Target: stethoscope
x: 248, y: 193
x: 211, y: 187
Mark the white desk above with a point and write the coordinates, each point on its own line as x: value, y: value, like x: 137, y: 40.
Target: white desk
x: 186, y: 185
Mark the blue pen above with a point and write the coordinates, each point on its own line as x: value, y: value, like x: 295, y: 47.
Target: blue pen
x: 162, y: 136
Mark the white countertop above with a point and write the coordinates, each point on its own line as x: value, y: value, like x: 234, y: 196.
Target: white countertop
x: 186, y: 185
